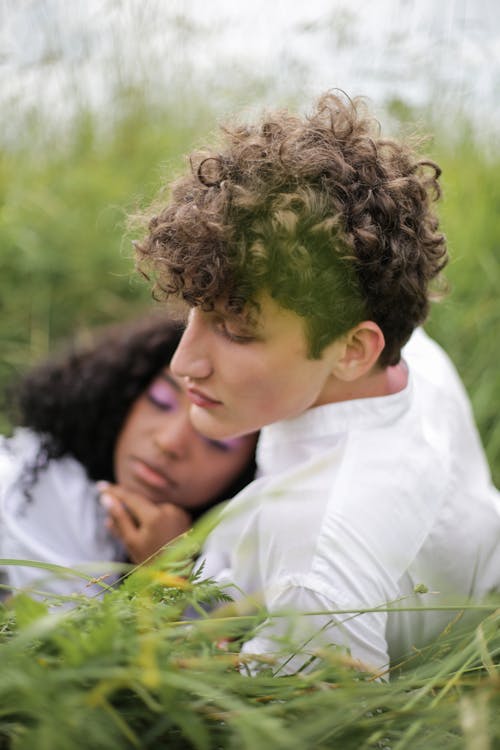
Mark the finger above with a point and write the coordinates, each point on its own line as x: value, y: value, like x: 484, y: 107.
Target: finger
x: 174, y: 516
x: 112, y: 528
x: 119, y: 521
x: 143, y: 509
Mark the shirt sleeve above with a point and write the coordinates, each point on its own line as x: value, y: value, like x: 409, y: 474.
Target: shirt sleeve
x: 305, y: 626
x: 59, y: 521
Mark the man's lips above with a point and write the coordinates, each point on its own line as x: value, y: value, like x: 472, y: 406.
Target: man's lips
x: 201, y: 399
x: 151, y: 475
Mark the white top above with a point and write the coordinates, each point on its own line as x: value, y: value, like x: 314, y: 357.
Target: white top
x: 356, y: 504
x: 60, y: 522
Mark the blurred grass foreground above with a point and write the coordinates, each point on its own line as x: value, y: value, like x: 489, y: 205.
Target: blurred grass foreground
x: 125, y: 671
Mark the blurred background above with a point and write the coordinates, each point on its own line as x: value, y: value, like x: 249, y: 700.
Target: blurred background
x: 100, y: 99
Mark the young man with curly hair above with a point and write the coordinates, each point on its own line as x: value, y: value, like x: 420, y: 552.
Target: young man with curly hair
x: 307, y: 249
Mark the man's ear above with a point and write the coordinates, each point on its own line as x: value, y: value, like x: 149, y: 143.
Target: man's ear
x: 361, y: 348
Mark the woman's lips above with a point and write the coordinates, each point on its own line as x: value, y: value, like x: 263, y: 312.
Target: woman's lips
x: 150, y: 475
x: 201, y: 399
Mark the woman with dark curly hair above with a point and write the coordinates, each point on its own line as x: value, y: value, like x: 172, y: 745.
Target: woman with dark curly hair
x: 307, y: 248
x: 108, y: 421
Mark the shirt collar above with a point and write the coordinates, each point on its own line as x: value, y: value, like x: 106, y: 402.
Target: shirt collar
x: 331, y: 420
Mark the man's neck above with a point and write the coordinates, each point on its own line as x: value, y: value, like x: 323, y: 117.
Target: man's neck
x: 378, y: 382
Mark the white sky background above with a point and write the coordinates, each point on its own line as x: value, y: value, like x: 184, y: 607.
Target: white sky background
x: 54, y: 53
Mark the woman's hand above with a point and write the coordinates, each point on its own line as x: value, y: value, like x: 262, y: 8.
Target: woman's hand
x: 142, y: 526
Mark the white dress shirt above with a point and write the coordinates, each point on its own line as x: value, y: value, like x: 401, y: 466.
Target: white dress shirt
x: 58, y: 520
x: 356, y: 504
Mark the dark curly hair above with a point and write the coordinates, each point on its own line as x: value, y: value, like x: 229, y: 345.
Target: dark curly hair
x: 78, y: 400
x: 333, y: 221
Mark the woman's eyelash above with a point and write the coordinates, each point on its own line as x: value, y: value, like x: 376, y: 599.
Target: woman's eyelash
x: 160, y: 403
x: 219, y: 445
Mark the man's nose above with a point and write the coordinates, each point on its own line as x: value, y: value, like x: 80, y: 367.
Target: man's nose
x: 175, y: 437
x: 191, y: 358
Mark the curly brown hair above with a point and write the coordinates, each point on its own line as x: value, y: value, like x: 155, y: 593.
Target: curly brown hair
x: 336, y: 223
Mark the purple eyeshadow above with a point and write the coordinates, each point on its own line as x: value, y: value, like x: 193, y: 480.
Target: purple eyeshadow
x: 162, y: 394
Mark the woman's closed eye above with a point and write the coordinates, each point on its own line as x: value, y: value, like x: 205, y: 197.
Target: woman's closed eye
x: 224, y: 446
x: 161, y: 394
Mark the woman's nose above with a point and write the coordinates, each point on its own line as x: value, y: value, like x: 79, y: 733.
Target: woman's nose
x: 191, y: 358
x: 175, y: 438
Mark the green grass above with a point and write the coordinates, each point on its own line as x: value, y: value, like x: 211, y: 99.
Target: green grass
x: 468, y: 321
x: 127, y: 672
x: 65, y: 263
